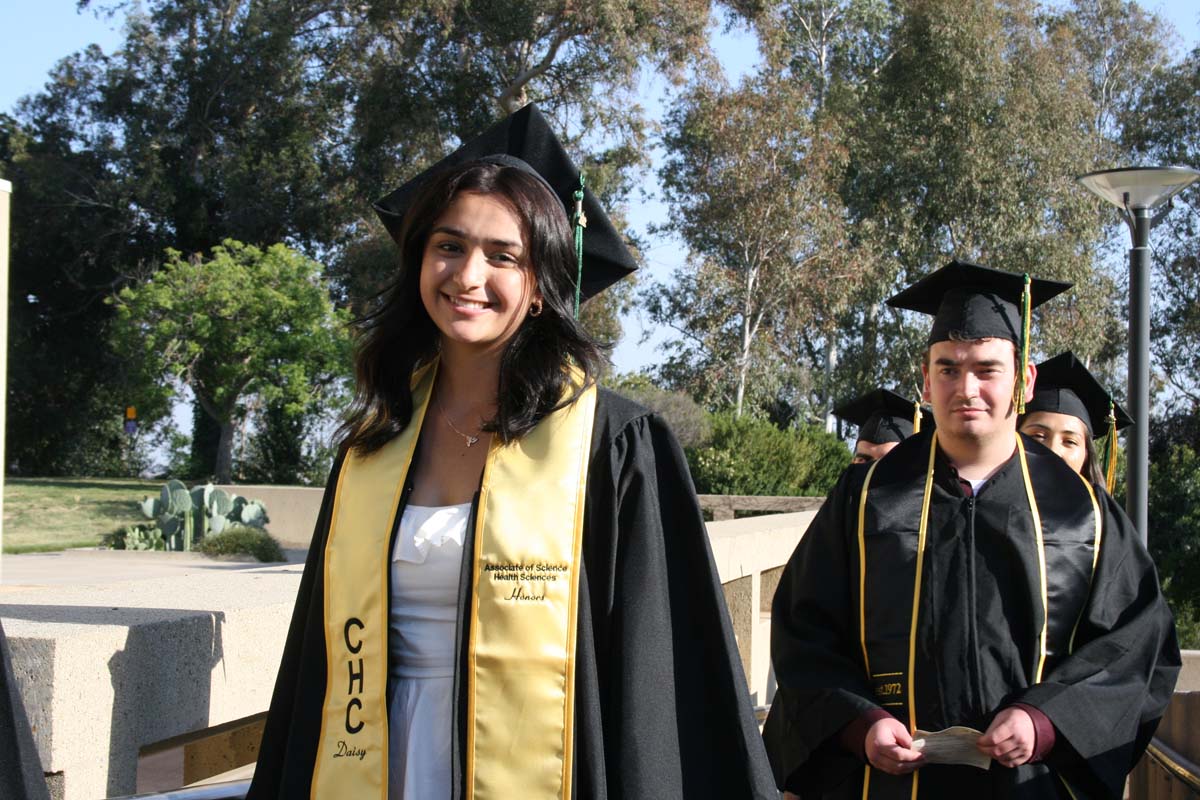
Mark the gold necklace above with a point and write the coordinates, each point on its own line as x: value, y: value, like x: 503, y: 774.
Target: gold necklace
x: 470, y: 439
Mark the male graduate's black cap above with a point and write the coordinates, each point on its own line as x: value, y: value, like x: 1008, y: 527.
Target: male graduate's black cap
x: 883, y: 416
x: 1065, y: 386
x: 525, y: 141
x: 970, y: 301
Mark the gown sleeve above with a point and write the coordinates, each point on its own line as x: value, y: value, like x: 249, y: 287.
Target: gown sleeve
x: 672, y: 693
x: 289, y: 743
x: 816, y: 652
x: 1106, y: 698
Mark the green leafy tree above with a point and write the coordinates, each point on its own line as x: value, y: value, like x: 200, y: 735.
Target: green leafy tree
x: 1174, y: 534
x: 245, y: 322
x: 751, y: 456
x: 1166, y: 129
x: 967, y: 145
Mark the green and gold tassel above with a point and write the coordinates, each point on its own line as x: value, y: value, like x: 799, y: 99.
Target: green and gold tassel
x: 1026, y: 324
x: 916, y: 418
x: 579, y: 221
x: 1110, y: 469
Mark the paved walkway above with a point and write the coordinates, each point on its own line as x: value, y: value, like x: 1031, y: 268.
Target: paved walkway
x: 85, y: 567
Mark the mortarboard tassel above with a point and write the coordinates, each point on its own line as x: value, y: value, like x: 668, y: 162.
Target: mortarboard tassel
x: 579, y: 220
x: 1110, y: 471
x: 916, y: 418
x: 1026, y: 321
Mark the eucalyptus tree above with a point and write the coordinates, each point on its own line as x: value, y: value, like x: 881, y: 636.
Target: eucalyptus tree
x: 747, y: 177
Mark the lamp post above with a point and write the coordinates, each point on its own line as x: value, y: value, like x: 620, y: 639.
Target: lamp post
x: 1137, y: 192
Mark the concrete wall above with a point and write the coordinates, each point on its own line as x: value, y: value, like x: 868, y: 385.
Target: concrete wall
x: 108, y: 669
x: 292, y: 510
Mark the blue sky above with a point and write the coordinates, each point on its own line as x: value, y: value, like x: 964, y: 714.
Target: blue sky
x: 40, y: 32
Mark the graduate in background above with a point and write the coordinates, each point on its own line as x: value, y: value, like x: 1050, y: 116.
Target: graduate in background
x: 884, y: 419
x: 1070, y: 409
x: 510, y: 591
x: 970, y: 578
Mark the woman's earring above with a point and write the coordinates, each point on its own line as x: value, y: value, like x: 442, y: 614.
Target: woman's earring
x: 535, y: 309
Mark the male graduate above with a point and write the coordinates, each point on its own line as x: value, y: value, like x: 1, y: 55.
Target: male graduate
x: 971, y: 579
x: 884, y: 419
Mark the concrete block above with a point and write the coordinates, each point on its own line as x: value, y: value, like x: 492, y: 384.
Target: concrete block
x: 1189, y: 676
x: 108, y: 669
x: 293, y: 510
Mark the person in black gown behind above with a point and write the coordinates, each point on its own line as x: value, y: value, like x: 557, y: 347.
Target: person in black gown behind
x: 969, y: 578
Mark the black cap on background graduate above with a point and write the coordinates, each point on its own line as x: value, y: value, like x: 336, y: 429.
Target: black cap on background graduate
x: 1065, y: 386
x: 884, y: 416
x: 524, y: 140
x: 970, y: 301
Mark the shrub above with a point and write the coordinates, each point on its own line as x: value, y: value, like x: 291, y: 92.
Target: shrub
x: 750, y: 456
x: 688, y: 421
x: 135, y: 537
x: 238, y: 540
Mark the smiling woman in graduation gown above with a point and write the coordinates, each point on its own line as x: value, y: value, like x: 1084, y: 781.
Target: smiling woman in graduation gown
x: 651, y: 689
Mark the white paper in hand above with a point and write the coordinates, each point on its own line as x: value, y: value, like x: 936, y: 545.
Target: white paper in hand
x: 951, y: 746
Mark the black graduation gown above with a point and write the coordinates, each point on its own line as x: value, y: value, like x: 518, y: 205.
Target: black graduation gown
x: 661, y: 705
x: 21, y: 776
x: 976, y: 639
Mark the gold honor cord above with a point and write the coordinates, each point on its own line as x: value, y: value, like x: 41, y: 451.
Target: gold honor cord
x: 352, y: 750
x: 912, y: 637
x: 916, y: 601
x: 521, y: 653
x: 862, y: 566
x: 1041, y: 549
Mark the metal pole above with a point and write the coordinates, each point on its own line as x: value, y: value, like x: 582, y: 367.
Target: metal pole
x: 1138, y: 475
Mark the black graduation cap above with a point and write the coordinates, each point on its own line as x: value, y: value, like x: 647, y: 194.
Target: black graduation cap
x: 883, y: 416
x: 524, y: 140
x: 1064, y: 386
x: 975, y: 302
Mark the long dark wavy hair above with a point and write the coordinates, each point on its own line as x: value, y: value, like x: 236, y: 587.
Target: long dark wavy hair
x: 397, y: 335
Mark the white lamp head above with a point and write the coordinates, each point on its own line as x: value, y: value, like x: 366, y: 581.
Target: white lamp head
x: 1139, y: 187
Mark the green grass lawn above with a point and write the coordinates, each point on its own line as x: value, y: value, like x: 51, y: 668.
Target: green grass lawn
x: 42, y: 514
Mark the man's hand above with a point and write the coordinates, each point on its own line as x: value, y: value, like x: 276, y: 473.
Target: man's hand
x: 1010, y: 738
x: 889, y: 748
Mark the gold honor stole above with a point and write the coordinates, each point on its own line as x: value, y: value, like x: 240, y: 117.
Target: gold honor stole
x: 891, y: 564
x: 523, y: 610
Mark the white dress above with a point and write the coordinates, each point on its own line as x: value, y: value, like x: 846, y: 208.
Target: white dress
x: 426, y: 564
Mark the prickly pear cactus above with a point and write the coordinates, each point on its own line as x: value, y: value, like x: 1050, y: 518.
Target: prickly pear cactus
x: 184, y: 517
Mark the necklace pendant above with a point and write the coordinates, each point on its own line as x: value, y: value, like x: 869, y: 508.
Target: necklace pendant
x: 472, y: 440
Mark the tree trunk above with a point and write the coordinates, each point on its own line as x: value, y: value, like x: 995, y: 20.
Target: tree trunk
x: 224, y: 467
x: 831, y: 359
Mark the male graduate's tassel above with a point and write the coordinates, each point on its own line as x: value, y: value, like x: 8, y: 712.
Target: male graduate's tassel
x: 1110, y: 469
x: 916, y: 418
x: 579, y: 220
x: 1026, y: 321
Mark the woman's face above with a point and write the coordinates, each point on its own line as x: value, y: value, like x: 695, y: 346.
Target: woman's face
x: 1065, y: 434
x: 476, y: 281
